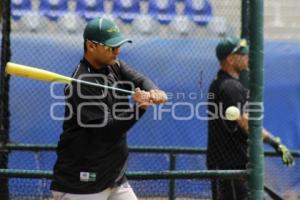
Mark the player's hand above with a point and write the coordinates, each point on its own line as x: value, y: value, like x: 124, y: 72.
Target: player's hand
x: 286, y: 156
x: 142, y: 98
x: 158, y: 96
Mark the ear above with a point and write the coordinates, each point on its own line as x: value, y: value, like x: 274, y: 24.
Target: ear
x: 90, y: 46
x: 230, y: 59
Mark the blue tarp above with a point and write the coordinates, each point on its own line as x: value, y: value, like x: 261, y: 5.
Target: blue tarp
x: 184, y: 68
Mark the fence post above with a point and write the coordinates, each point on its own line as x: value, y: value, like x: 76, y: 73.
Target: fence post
x: 172, y: 185
x: 256, y: 159
x: 4, y: 112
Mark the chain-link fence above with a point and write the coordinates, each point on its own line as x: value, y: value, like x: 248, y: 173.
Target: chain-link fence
x: 179, y: 61
x: 173, y: 44
x: 173, y: 47
x: 158, y: 181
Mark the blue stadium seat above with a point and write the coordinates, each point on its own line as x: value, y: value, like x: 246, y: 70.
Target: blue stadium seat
x: 71, y: 23
x: 220, y: 27
x: 182, y: 25
x: 32, y: 22
x: 145, y: 24
x: 89, y: 9
x: 163, y: 11
x: 199, y: 11
x: 53, y: 9
x: 20, y: 8
x: 126, y: 10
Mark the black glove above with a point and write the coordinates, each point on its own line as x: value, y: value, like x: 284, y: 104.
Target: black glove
x: 282, y: 150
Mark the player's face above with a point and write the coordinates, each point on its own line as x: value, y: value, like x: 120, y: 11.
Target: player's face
x: 106, y: 55
x: 101, y: 54
x: 240, y: 62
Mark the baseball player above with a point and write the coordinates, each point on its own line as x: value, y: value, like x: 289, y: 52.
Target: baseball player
x: 227, y: 140
x: 92, y: 151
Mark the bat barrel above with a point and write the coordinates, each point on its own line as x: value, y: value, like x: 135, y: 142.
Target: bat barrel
x: 35, y: 73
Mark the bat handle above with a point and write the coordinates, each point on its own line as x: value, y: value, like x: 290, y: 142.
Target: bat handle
x: 102, y: 86
x: 125, y: 91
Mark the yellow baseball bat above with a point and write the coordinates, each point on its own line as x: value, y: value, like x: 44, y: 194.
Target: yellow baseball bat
x: 35, y: 73
x: 44, y: 75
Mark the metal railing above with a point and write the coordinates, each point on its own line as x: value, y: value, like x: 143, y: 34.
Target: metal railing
x: 171, y: 174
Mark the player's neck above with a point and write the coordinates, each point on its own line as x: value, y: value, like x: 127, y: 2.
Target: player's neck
x: 232, y: 72
x: 93, y: 62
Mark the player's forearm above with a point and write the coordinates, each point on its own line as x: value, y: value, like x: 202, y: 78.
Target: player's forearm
x: 268, y: 138
x: 243, y: 122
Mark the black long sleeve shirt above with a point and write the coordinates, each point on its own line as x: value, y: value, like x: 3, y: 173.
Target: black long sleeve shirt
x: 92, y: 152
x: 227, y: 142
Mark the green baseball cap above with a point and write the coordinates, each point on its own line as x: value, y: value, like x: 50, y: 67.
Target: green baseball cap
x: 104, y: 31
x: 231, y: 45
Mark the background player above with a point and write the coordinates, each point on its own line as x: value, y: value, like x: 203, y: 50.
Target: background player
x: 227, y: 140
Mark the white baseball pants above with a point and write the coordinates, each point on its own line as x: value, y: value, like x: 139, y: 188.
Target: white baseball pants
x: 122, y: 192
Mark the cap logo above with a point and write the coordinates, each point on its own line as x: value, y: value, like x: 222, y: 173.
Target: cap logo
x: 113, y: 29
x: 243, y: 43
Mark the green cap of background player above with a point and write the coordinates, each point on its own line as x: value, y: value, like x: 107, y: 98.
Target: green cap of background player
x: 231, y: 45
x: 104, y: 31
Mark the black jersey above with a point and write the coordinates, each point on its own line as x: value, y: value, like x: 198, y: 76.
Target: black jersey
x: 227, y: 142
x: 92, y: 151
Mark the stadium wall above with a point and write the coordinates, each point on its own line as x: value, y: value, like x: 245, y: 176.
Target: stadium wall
x: 31, y: 100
